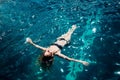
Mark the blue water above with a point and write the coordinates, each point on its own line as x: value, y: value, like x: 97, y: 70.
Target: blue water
x: 96, y: 39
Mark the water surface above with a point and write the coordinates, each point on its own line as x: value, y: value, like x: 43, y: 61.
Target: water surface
x: 96, y: 39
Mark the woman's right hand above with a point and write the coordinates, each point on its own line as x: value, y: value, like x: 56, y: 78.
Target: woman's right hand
x: 85, y: 63
x: 29, y: 40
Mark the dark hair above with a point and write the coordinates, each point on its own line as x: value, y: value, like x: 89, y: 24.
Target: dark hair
x: 45, y: 61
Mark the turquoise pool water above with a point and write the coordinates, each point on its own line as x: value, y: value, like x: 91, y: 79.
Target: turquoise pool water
x: 96, y: 39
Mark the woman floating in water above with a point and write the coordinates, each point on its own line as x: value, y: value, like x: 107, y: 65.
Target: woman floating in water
x: 55, y: 49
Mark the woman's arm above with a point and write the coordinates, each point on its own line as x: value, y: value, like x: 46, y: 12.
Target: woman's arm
x: 37, y: 46
x: 71, y: 59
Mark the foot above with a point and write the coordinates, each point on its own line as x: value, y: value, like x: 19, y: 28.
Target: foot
x: 74, y: 27
x: 72, y: 30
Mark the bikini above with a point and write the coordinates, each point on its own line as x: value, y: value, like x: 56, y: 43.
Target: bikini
x: 58, y: 45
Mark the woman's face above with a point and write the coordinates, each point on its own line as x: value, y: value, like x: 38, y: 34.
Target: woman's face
x: 47, y: 53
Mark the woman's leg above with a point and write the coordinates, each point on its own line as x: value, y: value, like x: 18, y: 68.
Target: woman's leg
x: 67, y: 36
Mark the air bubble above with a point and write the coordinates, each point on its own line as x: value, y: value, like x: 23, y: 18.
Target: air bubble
x: 81, y: 48
x: 88, y: 47
x: 115, y: 42
x: 109, y: 4
x: 109, y: 28
x: 33, y: 16
x: 118, y: 2
x: 92, y: 22
x: 94, y: 30
x: 64, y: 50
x: 117, y: 72
x: 69, y: 46
x: 18, y: 79
x: 83, y: 40
x: 61, y: 70
x: 60, y: 16
x: 101, y: 39
x: 94, y: 78
x: 89, y: 55
x: 55, y: 19
x: 41, y: 70
x: 86, y: 70
x: 118, y: 64
x: 0, y: 38
x: 119, y: 52
x: 81, y: 17
x: 67, y: 22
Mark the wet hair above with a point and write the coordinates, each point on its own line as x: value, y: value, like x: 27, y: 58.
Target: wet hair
x: 45, y: 61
